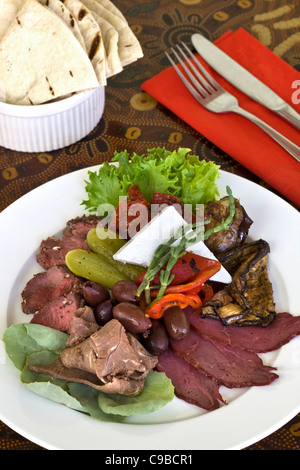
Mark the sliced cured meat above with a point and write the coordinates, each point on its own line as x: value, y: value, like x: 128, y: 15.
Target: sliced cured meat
x: 190, y: 385
x: 47, y: 286
x: 53, y: 250
x: 254, y: 338
x: 228, y: 365
x: 58, y: 313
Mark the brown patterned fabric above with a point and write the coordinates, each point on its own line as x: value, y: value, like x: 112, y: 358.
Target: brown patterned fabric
x: 134, y: 121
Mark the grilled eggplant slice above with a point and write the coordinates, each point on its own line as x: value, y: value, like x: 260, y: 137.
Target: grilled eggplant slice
x: 216, y: 212
x: 248, y: 300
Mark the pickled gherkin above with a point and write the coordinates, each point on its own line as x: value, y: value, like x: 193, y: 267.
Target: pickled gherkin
x: 104, y: 241
x: 94, y: 267
x: 108, y: 246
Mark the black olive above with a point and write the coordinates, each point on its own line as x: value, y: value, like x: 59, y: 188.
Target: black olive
x: 125, y: 291
x: 94, y: 293
x: 176, y: 323
x: 103, y: 312
x: 157, y: 341
x: 132, y: 317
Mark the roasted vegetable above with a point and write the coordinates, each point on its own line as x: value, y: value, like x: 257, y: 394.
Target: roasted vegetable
x: 248, y: 300
x: 157, y: 309
x: 233, y: 235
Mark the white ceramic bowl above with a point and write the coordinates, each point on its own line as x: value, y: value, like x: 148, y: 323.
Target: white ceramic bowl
x: 50, y: 126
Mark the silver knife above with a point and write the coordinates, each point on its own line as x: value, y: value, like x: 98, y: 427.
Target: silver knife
x: 243, y: 80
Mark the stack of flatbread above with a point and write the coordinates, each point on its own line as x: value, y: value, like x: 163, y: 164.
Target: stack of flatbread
x: 50, y: 49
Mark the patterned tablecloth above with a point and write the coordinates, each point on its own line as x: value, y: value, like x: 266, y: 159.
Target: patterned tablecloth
x: 134, y: 121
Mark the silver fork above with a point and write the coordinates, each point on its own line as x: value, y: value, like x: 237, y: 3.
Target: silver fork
x: 213, y: 97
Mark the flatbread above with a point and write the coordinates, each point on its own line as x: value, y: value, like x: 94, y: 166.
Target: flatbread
x: 92, y: 36
x: 64, y: 13
x: 108, y: 5
x: 40, y: 58
x: 128, y: 46
x: 8, y: 10
x: 110, y: 39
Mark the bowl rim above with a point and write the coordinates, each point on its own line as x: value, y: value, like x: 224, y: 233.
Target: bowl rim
x: 47, y: 109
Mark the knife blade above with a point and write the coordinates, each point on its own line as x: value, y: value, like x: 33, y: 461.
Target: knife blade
x: 238, y: 76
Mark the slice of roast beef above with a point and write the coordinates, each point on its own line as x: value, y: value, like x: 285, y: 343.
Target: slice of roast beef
x: 53, y: 250
x: 216, y: 212
x: 145, y: 357
x: 107, y: 352
x: 228, y: 365
x: 58, y: 313
x: 190, y: 384
x: 106, y: 360
x: 82, y: 325
x: 254, y: 338
x: 47, y: 286
x: 80, y: 226
x: 117, y: 385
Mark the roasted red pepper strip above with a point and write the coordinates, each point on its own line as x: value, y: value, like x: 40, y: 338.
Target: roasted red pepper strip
x: 170, y: 300
x: 192, y: 287
x: 208, y: 293
x: 185, y: 269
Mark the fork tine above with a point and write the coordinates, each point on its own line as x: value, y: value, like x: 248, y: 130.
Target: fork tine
x: 205, y: 82
x: 191, y: 89
x: 203, y: 70
x: 195, y: 82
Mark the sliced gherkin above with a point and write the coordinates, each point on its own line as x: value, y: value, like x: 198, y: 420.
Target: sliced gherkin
x: 107, y: 247
x: 94, y: 267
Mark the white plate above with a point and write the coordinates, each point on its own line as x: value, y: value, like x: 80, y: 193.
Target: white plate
x: 251, y: 414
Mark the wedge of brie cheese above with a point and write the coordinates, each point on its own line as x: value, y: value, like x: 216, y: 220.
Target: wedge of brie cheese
x: 141, y: 247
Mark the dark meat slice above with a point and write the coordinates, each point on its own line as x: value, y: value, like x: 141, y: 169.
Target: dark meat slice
x: 53, y: 250
x: 228, y: 365
x: 83, y: 325
x: 51, y: 253
x: 254, y: 338
x: 58, y: 313
x: 248, y: 300
x: 80, y: 226
x: 190, y: 384
x: 47, y: 286
x: 216, y: 212
x: 118, y: 385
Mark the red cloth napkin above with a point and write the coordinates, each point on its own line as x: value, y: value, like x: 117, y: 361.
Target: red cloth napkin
x: 235, y: 135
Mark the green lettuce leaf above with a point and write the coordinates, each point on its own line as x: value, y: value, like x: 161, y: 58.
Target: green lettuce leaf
x: 23, y: 339
x: 27, y: 344
x: 157, y: 392
x: 173, y: 172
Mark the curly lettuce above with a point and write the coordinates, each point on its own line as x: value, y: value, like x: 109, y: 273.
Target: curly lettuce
x: 177, y: 172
